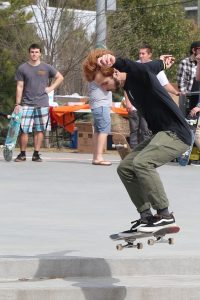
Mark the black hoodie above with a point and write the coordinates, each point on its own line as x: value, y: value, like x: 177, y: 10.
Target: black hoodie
x: 151, y: 99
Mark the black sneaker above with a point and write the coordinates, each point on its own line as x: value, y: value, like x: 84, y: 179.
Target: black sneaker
x: 136, y: 225
x: 36, y: 157
x: 20, y: 158
x: 195, y: 163
x: 158, y: 222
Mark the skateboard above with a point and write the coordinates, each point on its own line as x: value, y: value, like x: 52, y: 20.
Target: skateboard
x: 157, y: 236
x: 121, y: 144
x: 12, y: 135
x: 184, y: 159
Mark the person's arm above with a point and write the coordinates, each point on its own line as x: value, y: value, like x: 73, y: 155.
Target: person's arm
x: 170, y: 89
x: 136, y: 69
x: 127, y: 102
x: 19, y: 93
x: 129, y: 66
x: 57, y: 81
x: 162, y: 77
x: 194, y: 111
x: 198, y: 68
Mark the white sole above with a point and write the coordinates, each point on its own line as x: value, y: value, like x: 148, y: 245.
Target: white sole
x: 152, y: 229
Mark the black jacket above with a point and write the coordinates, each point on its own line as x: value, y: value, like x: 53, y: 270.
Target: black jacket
x: 151, y: 99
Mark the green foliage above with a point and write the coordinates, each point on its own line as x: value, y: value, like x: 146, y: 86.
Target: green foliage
x: 15, y: 37
x: 75, y: 4
x: 155, y: 22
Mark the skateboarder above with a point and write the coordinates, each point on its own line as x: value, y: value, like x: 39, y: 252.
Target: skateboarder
x: 171, y: 133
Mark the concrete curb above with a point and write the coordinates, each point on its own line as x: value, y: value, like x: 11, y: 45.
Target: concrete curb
x: 33, y: 268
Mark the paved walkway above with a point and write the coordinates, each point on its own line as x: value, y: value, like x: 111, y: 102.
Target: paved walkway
x: 65, y: 206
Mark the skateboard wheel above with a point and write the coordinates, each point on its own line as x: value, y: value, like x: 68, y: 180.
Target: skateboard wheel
x: 119, y: 247
x: 8, y: 154
x: 151, y: 242
x: 139, y: 246
x: 171, y: 241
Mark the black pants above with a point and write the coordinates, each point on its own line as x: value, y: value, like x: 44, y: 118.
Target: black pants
x: 139, y: 131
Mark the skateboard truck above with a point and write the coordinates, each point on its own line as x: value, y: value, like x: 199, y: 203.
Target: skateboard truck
x: 169, y: 241
x: 120, y: 247
x: 119, y: 146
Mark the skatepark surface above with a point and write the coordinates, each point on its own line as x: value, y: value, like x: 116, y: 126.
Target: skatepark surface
x: 64, y: 209
x: 67, y: 205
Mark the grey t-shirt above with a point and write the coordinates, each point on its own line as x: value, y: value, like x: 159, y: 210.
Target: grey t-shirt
x: 98, y: 97
x: 36, y: 79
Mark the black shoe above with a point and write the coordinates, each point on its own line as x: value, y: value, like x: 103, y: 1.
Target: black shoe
x: 20, y: 158
x: 195, y: 163
x: 158, y: 222
x: 36, y: 157
x: 136, y: 225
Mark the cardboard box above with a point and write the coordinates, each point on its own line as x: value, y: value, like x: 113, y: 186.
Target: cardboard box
x: 85, y: 133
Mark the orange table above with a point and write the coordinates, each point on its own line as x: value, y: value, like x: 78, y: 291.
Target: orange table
x: 64, y: 115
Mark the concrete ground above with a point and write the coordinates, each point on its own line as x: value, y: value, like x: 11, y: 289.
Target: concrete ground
x: 64, y: 209
x: 65, y: 205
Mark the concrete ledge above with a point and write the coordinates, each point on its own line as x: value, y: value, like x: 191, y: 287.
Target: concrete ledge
x: 96, y: 267
x: 129, y: 288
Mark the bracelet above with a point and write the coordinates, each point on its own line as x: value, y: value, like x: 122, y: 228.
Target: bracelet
x: 17, y: 104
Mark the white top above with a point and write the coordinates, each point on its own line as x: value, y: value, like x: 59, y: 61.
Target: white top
x: 161, y: 77
x: 98, y: 97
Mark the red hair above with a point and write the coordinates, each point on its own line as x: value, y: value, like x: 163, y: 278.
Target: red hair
x: 90, y: 67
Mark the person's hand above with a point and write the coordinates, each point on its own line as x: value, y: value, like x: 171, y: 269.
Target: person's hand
x: 48, y: 89
x: 17, y: 109
x: 106, y: 60
x: 194, y: 111
x: 197, y: 58
x: 177, y: 93
x: 168, y: 60
x: 129, y: 108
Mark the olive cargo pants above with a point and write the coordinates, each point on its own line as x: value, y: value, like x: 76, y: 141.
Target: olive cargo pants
x: 138, y: 169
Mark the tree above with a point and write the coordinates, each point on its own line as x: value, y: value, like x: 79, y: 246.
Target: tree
x: 156, y: 22
x: 65, y: 40
x: 76, y: 4
x: 15, y: 34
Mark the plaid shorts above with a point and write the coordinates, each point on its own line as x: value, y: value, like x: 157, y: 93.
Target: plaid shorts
x: 35, y: 119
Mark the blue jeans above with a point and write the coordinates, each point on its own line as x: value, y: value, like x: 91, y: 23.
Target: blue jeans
x: 102, y: 119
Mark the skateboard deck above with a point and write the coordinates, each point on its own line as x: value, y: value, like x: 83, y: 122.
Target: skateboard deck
x: 157, y: 236
x: 184, y: 159
x: 12, y: 135
x: 121, y: 144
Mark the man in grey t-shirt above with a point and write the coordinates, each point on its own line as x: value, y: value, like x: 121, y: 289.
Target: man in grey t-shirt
x: 32, y: 97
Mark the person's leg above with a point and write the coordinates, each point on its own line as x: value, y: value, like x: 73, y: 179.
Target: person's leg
x: 134, y: 126
x: 164, y: 147
x: 102, y: 125
x: 197, y: 135
x: 41, y: 123
x: 130, y: 180
x: 139, y: 175
x: 38, y: 139
x: 99, y: 142
x: 26, y: 127
x: 144, y: 132
x: 23, y: 141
